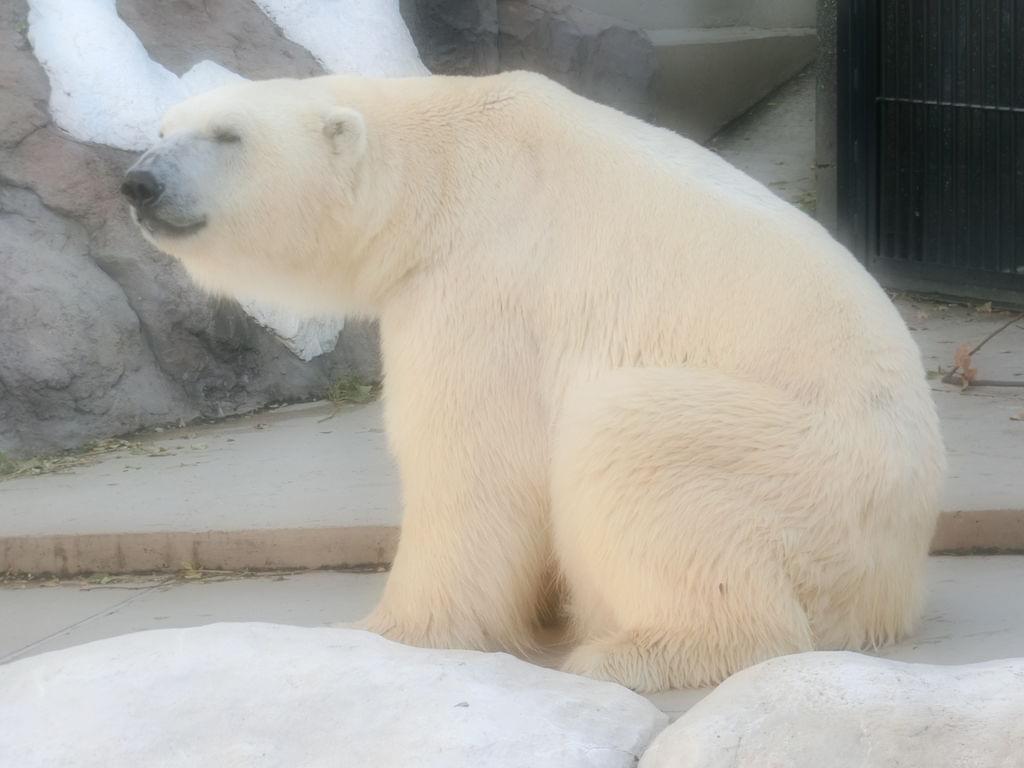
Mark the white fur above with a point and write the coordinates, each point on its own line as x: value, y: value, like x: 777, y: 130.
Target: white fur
x: 614, y: 364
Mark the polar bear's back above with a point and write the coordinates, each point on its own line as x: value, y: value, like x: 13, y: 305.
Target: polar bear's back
x: 704, y: 264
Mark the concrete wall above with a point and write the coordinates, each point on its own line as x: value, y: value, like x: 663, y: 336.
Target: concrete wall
x: 717, y: 58
x: 678, y: 14
x: 689, y: 65
x: 708, y: 78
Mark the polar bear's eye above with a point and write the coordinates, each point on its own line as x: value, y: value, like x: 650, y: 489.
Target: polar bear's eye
x: 225, y: 136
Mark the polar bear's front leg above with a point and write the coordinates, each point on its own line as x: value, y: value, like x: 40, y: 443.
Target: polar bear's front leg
x: 467, y: 428
x: 474, y: 550
x: 475, y: 583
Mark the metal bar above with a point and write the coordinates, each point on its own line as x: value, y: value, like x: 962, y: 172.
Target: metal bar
x: 939, y: 191
x: 1016, y: 256
x: 958, y: 105
x: 997, y: 166
x: 918, y: 121
x: 906, y: 78
x: 970, y: 252
x: 953, y: 93
x: 871, y: 30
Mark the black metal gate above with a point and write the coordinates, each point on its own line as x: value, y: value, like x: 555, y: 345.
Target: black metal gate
x: 931, y: 143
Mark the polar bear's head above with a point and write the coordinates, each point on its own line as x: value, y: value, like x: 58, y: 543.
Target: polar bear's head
x: 250, y: 185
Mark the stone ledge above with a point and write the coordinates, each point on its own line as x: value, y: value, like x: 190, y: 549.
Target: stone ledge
x: 986, y: 532
x: 997, y: 531
x: 262, y: 549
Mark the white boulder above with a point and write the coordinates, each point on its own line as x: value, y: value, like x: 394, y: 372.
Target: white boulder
x: 262, y: 695
x: 366, y: 37
x: 104, y: 87
x: 306, y: 337
x: 843, y: 710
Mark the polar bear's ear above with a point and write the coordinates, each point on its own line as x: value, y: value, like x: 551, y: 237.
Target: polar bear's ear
x: 346, y: 130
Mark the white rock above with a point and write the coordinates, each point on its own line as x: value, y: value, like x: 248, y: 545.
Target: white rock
x: 104, y: 87
x: 306, y: 337
x: 207, y: 75
x: 262, y: 695
x: 365, y: 37
x: 842, y: 710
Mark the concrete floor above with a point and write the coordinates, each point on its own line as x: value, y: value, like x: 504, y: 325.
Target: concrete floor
x: 311, y: 465
x: 983, y: 426
x: 975, y: 611
x: 35, y: 619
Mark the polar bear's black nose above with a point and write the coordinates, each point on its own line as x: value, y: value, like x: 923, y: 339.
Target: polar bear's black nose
x: 141, y: 188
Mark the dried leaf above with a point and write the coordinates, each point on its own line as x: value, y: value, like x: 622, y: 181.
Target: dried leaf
x: 190, y: 571
x: 986, y: 308
x: 962, y: 360
x: 1017, y: 416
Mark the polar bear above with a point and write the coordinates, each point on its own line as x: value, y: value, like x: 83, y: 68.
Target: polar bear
x: 621, y: 378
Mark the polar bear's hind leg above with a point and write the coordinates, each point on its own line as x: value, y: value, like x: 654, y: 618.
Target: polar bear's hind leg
x: 670, y: 491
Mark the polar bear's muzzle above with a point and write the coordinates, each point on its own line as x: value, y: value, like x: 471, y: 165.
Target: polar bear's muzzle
x: 144, y: 191
x: 163, y: 190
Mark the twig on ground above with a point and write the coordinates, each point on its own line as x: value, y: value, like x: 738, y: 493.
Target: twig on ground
x: 1000, y: 329
x: 147, y: 585
x: 962, y: 381
x: 952, y: 378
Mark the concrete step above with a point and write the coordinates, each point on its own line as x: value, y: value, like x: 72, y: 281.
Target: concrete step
x: 708, y: 77
x: 303, y: 486
x: 311, y: 487
x: 975, y: 611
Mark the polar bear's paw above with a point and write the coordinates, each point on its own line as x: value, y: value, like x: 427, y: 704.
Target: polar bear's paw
x: 642, y: 664
x: 428, y: 631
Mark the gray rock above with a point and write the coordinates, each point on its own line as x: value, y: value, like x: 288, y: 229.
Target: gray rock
x: 455, y: 37
x: 591, y: 54
x: 847, y: 710
x: 110, y: 335
x: 234, y: 33
x: 73, y: 360
x: 23, y: 86
x: 264, y: 695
